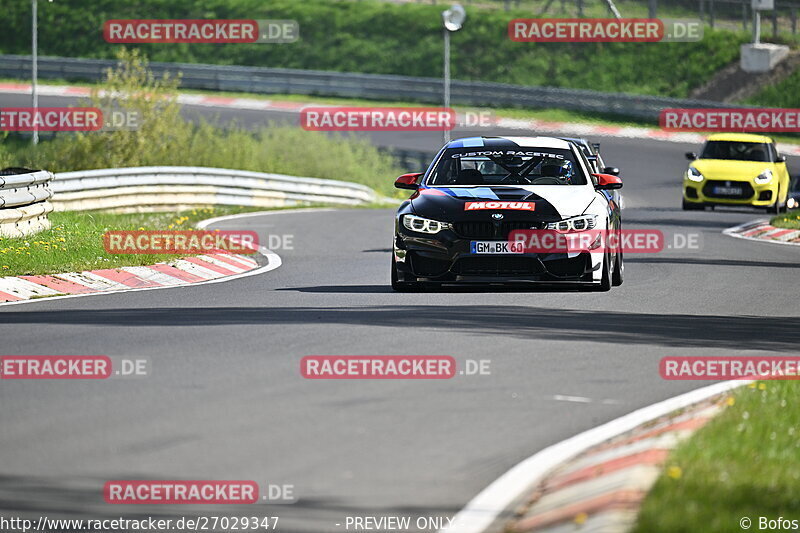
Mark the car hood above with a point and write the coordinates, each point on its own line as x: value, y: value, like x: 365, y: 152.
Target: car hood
x: 731, y: 170
x: 551, y: 202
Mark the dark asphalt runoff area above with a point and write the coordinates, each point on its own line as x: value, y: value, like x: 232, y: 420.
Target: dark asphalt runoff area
x: 225, y: 399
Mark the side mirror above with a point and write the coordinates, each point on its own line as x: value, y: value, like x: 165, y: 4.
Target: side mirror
x: 691, y: 156
x: 607, y: 182
x: 614, y: 171
x: 408, y: 181
x: 781, y: 159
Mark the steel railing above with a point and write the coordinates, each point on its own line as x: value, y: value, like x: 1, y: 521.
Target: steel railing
x: 137, y: 188
x: 26, y: 196
x: 356, y: 85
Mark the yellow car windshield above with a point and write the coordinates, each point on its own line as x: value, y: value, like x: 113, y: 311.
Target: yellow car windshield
x: 737, y: 151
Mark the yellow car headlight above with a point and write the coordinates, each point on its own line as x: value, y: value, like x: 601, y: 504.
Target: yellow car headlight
x: 693, y: 174
x: 764, y: 177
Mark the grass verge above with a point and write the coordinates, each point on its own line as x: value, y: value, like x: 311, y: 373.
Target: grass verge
x: 74, y: 243
x: 741, y: 464
x: 781, y: 94
x: 790, y: 220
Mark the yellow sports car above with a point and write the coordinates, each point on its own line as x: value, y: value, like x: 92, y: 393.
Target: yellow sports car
x: 736, y: 169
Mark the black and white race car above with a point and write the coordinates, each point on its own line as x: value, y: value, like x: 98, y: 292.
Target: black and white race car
x: 457, y: 226
x: 592, y: 152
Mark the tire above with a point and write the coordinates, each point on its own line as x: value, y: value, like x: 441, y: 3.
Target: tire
x: 691, y: 206
x: 776, y: 208
x: 619, y: 270
x: 402, y: 286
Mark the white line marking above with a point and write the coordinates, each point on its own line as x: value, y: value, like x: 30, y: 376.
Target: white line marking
x: 92, y: 280
x: 214, y: 261
x: 197, y: 270
x: 485, y: 508
x: 23, y: 288
x: 205, y: 223
x: 576, y: 399
x: 241, y: 261
x: 148, y: 274
x: 582, y: 399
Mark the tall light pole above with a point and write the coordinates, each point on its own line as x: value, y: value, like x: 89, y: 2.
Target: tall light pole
x: 453, y: 19
x: 759, y: 6
x: 34, y: 67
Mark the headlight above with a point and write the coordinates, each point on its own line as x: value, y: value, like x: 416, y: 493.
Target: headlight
x: 581, y: 223
x: 791, y: 203
x: 423, y: 225
x: 693, y: 174
x: 764, y: 177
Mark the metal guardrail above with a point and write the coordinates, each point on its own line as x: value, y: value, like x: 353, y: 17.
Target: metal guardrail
x: 355, y: 85
x: 151, y: 188
x: 24, y: 204
x: 26, y: 197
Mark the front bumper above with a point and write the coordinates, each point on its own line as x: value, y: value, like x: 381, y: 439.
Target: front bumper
x: 446, y: 257
x: 752, y: 194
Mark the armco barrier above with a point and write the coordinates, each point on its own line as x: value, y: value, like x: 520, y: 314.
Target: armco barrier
x: 25, y: 195
x: 159, y: 188
x: 24, y: 204
x: 355, y: 85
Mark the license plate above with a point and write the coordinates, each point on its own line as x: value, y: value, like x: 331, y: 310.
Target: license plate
x: 496, y: 247
x: 728, y: 191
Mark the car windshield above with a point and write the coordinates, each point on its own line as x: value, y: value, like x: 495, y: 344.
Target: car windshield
x: 738, y: 151
x: 507, y: 166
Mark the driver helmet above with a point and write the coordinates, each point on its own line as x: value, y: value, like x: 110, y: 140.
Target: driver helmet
x: 557, y: 168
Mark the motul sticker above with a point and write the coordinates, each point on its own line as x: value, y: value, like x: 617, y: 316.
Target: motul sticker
x: 519, y: 206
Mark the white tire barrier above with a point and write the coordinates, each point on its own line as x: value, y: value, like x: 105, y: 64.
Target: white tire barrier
x: 24, y: 204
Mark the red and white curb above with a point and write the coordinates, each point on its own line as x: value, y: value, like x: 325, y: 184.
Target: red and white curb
x: 602, y: 490
x: 761, y: 230
x: 185, y: 271
x: 491, y: 509
x: 210, y: 268
x: 562, y: 128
